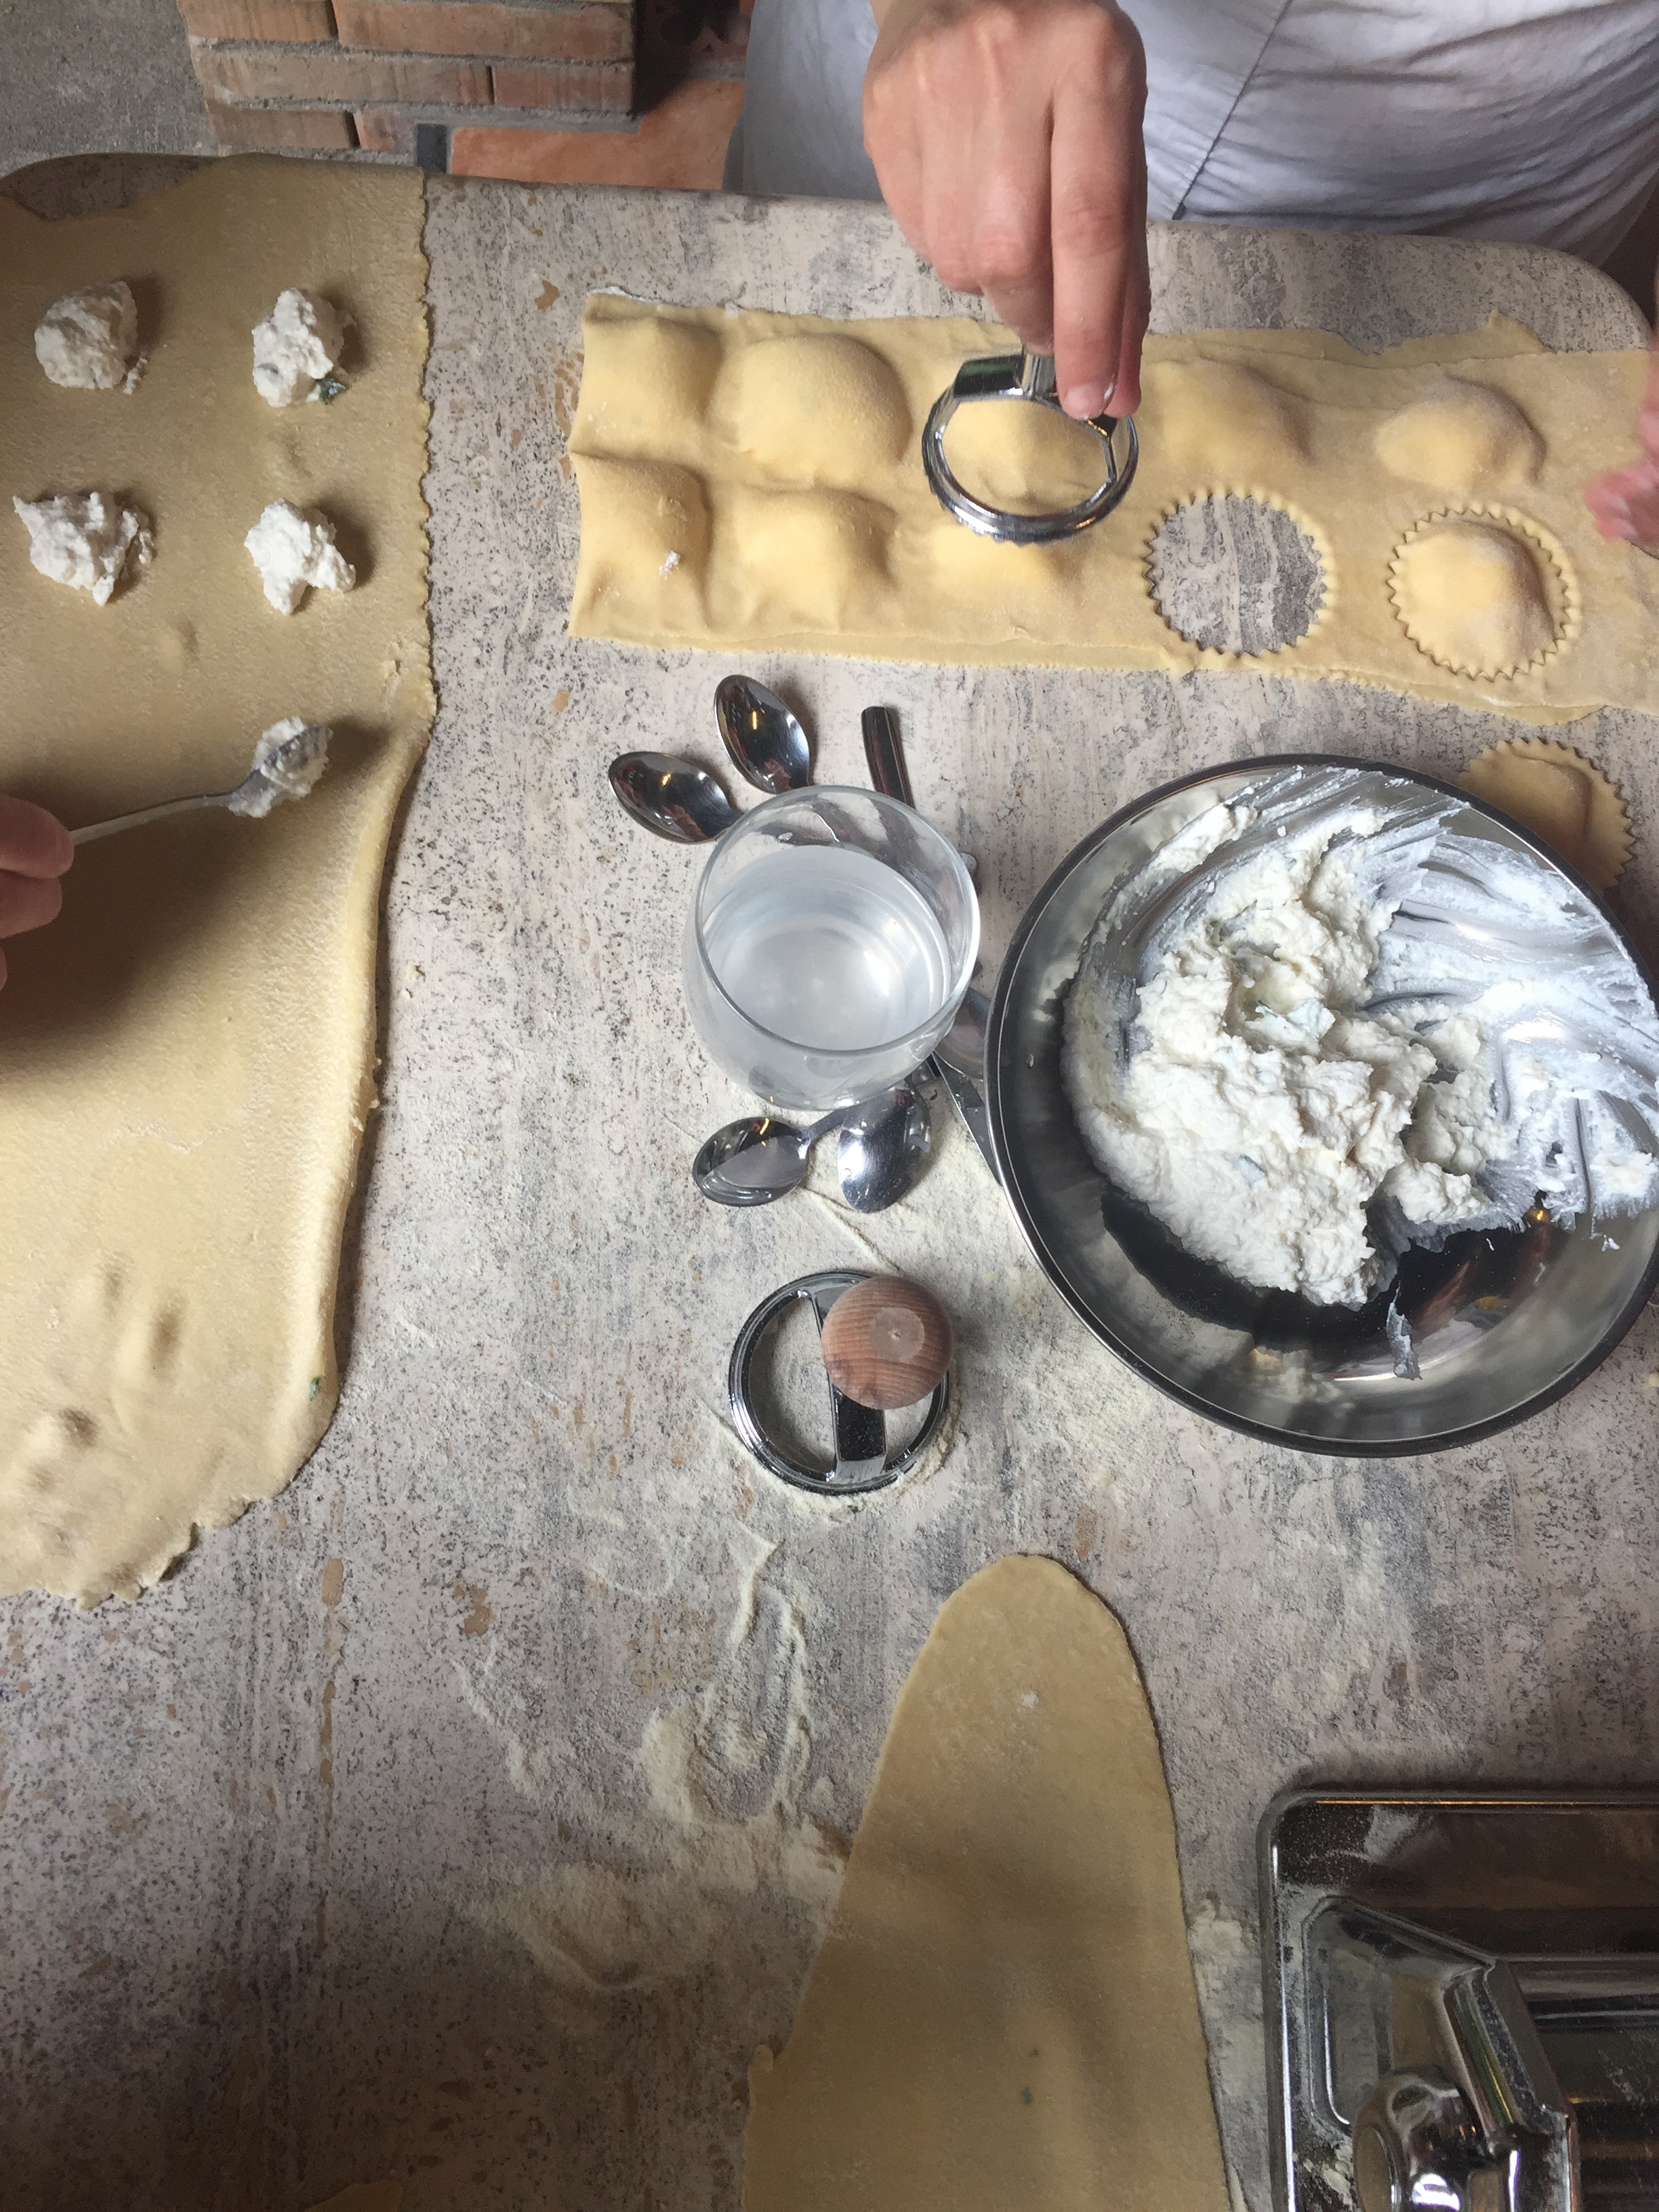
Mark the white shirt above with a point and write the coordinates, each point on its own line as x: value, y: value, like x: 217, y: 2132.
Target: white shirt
x: 1532, y: 120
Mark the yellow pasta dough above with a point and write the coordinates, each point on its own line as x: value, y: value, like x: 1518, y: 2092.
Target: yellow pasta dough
x: 1562, y: 797
x: 1362, y: 451
x: 815, y: 411
x: 1003, y: 2012
x: 188, y: 1051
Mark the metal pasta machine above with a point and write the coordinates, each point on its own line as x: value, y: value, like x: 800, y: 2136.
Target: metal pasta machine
x: 1462, y: 2002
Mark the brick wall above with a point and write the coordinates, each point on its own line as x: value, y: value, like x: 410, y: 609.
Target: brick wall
x: 397, y: 77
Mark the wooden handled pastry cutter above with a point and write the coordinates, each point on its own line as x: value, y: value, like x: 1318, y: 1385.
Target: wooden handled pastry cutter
x: 1022, y: 376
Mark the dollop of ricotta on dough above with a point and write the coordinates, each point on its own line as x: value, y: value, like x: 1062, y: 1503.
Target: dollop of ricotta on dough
x: 86, y: 539
x: 290, y: 758
x: 1260, y: 1116
x: 88, y: 341
x: 296, y: 347
x: 293, y: 548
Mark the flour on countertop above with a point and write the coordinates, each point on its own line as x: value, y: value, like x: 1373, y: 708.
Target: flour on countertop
x: 720, y: 1814
x: 88, y: 341
x: 86, y: 539
x: 296, y: 347
x: 293, y: 548
x: 1324, y: 1053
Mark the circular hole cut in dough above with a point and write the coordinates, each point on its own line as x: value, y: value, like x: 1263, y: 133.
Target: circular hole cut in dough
x: 1479, y: 592
x: 814, y: 409
x: 1562, y: 798
x: 1461, y: 437
x: 1236, y: 574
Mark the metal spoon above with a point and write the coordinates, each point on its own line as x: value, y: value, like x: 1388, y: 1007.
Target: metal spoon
x: 765, y: 741
x: 884, y: 1142
x: 751, y: 1163
x: 287, y: 762
x: 671, y: 798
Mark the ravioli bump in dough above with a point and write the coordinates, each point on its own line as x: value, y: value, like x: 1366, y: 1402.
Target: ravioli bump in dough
x: 757, y: 406
x: 639, y: 377
x: 1461, y: 437
x: 814, y: 409
x: 646, y: 514
x: 818, y: 559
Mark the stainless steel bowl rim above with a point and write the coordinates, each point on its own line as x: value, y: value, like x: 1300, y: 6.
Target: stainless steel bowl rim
x: 1008, y: 983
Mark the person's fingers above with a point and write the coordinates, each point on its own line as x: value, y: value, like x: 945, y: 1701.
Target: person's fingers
x: 1011, y: 250
x: 1625, y: 503
x: 1137, y: 310
x: 949, y: 84
x: 27, y: 902
x: 1098, y: 240
x: 892, y: 141
x: 1002, y: 176
x: 1647, y: 418
x: 32, y: 842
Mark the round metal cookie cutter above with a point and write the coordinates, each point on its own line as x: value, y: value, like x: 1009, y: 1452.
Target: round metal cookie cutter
x: 1021, y: 376
x: 862, y: 1459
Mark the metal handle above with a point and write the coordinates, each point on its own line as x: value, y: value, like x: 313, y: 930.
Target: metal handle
x: 884, y: 756
x: 96, y: 830
x: 1432, y: 2062
x: 1022, y: 376
x: 863, y: 1460
x: 1416, y: 2147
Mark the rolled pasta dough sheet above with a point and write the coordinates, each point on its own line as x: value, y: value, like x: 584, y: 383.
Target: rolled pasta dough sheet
x: 1003, y: 2012
x: 755, y: 480
x: 186, y: 1055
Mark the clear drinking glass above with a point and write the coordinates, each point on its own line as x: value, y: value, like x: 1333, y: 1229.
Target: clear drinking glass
x: 829, y: 943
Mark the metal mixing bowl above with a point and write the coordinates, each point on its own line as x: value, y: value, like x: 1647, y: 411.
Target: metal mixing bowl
x: 1503, y: 1321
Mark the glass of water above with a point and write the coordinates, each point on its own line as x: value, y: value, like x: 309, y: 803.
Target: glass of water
x: 829, y: 944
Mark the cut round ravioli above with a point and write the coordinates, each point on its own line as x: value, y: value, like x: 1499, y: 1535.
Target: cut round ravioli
x: 1461, y: 437
x: 1022, y: 459
x: 1473, y: 594
x: 1562, y: 798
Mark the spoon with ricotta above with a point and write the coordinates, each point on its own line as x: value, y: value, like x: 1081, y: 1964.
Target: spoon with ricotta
x: 288, y: 760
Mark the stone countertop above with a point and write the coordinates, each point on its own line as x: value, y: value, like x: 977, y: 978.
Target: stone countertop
x: 469, y: 1813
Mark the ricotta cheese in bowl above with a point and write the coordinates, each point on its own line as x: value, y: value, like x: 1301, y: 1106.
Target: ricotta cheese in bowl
x: 1351, y: 1030
x: 1326, y: 1096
